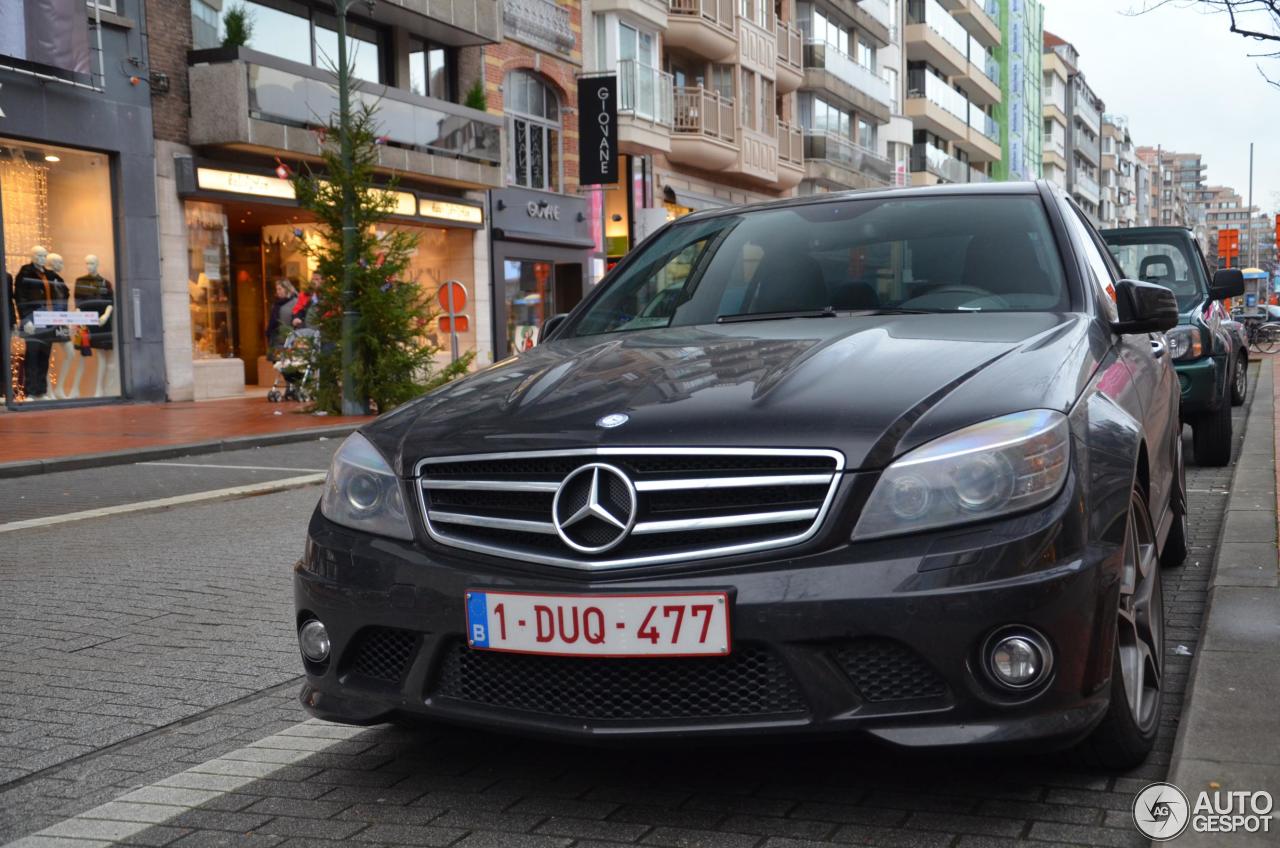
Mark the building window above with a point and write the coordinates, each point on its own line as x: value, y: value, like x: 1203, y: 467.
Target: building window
x: 206, y: 26
x: 293, y: 31
x: 866, y: 134
x: 748, y: 99
x: 431, y: 70
x: 534, y: 131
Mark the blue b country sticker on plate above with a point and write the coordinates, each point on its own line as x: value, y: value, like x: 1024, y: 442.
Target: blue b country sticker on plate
x: 477, y: 620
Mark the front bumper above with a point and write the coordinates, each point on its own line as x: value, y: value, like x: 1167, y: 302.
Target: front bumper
x: 878, y: 637
x: 1200, y: 382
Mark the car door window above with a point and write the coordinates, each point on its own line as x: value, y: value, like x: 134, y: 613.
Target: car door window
x: 1101, y: 265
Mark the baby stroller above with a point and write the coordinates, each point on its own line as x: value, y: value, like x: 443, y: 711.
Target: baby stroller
x: 293, y: 367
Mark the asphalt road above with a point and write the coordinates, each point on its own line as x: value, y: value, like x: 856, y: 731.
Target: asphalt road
x: 147, y: 698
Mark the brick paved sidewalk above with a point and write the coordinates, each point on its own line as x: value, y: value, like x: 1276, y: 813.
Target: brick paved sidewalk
x: 57, y: 439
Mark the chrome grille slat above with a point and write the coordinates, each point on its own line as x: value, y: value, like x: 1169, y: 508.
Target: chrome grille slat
x: 693, y: 503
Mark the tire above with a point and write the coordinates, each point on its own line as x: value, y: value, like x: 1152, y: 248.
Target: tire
x: 1211, y: 437
x: 1268, y: 338
x: 1127, y: 733
x: 1174, y: 552
x: 1240, y: 379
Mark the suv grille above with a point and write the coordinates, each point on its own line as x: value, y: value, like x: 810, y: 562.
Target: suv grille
x: 688, y: 502
x: 382, y: 653
x: 885, y: 670
x: 750, y: 682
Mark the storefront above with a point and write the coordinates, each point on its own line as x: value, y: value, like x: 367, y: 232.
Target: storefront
x: 246, y: 257
x: 80, y: 289
x: 543, y: 255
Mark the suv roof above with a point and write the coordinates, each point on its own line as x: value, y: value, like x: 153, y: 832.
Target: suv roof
x: 1161, y: 230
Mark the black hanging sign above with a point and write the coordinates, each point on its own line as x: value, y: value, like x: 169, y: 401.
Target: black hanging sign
x: 597, y: 130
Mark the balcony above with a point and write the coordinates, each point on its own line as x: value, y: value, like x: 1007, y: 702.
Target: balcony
x: 934, y: 36
x: 1086, y: 112
x: 836, y: 162
x: 937, y: 166
x: 790, y: 156
x: 705, y: 27
x: 645, y: 107
x: 757, y: 154
x: 935, y: 106
x: 1055, y: 152
x: 982, y: 141
x: 830, y: 71
x: 455, y: 24
x: 1085, y: 186
x: 879, y: 11
x: 703, y: 132
x: 981, y: 18
x: 245, y: 100
x: 1087, y: 147
x: 790, y: 66
x: 541, y: 24
x: 757, y: 38
x: 653, y: 11
x: 982, y: 81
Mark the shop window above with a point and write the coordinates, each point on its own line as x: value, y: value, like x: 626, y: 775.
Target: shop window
x: 534, y: 131
x: 60, y: 275
x: 529, y: 285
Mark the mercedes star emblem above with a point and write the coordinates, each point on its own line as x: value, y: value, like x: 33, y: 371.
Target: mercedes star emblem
x: 616, y: 419
x: 595, y: 508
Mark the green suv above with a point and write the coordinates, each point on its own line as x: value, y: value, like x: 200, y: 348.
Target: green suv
x: 1209, y: 354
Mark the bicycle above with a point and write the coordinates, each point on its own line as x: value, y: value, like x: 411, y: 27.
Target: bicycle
x: 1264, y: 336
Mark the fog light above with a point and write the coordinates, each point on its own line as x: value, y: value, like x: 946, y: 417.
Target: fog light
x: 1018, y: 659
x: 313, y: 640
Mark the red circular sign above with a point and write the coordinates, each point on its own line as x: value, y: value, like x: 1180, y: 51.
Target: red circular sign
x: 452, y: 294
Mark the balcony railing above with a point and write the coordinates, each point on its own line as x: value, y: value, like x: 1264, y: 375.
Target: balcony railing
x: 830, y: 147
x: 991, y: 8
x: 938, y: 19
x: 644, y: 92
x: 700, y: 111
x: 878, y: 10
x: 976, y: 176
x: 927, y: 157
x: 1085, y: 111
x: 984, y: 59
x: 759, y: 12
x: 790, y: 45
x: 1086, y: 184
x: 290, y: 93
x: 718, y: 13
x: 984, y: 123
x: 1056, y: 145
x: 820, y: 54
x: 790, y: 143
x: 926, y: 84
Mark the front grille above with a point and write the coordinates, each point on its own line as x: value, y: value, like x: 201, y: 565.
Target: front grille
x: 689, y: 502
x: 885, y: 670
x: 382, y: 653
x: 749, y: 683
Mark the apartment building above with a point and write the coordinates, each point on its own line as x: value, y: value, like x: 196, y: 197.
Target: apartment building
x: 953, y: 89
x: 1168, y: 201
x: 1058, y: 69
x: 1119, y: 206
x: 1072, y: 114
x: 231, y: 121
x: 1019, y: 63
x: 1224, y: 209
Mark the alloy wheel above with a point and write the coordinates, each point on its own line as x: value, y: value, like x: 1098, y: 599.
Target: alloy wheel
x: 1241, y: 375
x: 1140, y: 628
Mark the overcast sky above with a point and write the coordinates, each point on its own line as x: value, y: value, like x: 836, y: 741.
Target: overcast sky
x: 1184, y: 81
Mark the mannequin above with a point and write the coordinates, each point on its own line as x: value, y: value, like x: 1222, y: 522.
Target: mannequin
x: 94, y: 293
x: 62, y: 338
x: 37, y: 287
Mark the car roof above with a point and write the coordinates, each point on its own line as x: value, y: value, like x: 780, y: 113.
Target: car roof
x: 1140, y: 231
x: 949, y: 190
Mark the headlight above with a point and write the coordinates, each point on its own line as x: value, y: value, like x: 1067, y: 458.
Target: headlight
x: 1185, y: 343
x: 361, y: 491
x: 997, y: 467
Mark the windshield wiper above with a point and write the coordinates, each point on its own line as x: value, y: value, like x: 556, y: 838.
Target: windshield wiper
x: 828, y: 312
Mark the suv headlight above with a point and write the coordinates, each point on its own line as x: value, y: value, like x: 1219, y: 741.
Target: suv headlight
x: 1185, y: 343
x: 993, y: 468
x: 361, y: 491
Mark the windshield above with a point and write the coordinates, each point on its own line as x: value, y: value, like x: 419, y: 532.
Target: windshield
x: 1163, y: 259
x: 928, y: 253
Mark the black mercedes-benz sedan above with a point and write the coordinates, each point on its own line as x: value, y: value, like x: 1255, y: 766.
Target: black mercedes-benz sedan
x: 902, y: 463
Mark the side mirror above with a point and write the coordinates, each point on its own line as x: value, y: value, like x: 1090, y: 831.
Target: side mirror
x: 1227, y: 282
x: 551, y: 325
x: 1144, y: 308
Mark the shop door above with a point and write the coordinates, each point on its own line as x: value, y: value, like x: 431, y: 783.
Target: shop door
x: 568, y: 286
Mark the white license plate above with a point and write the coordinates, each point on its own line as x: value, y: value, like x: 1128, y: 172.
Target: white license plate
x: 676, y: 625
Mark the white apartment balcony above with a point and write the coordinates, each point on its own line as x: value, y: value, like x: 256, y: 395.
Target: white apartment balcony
x: 879, y: 11
x: 704, y: 129
x: 982, y: 20
x: 836, y: 162
x: 830, y: 71
x: 937, y: 107
x: 645, y: 107
x: 705, y: 27
x: 1055, y: 152
x: 1084, y: 111
x: 245, y: 100
x: 1085, y: 186
x: 653, y: 11
x: 982, y: 141
x: 934, y: 36
x: 934, y: 165
x: 790, y: 67
x: 1086, y: 147
x: 983, y: 76
x: 757, y: 154
x: 790, y: 156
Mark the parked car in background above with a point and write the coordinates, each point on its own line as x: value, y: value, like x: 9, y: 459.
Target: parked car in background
x: 1211, y: 358
x: 900, y: 462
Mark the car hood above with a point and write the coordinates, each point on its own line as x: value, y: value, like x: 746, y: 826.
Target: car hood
x: 868, y: 386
